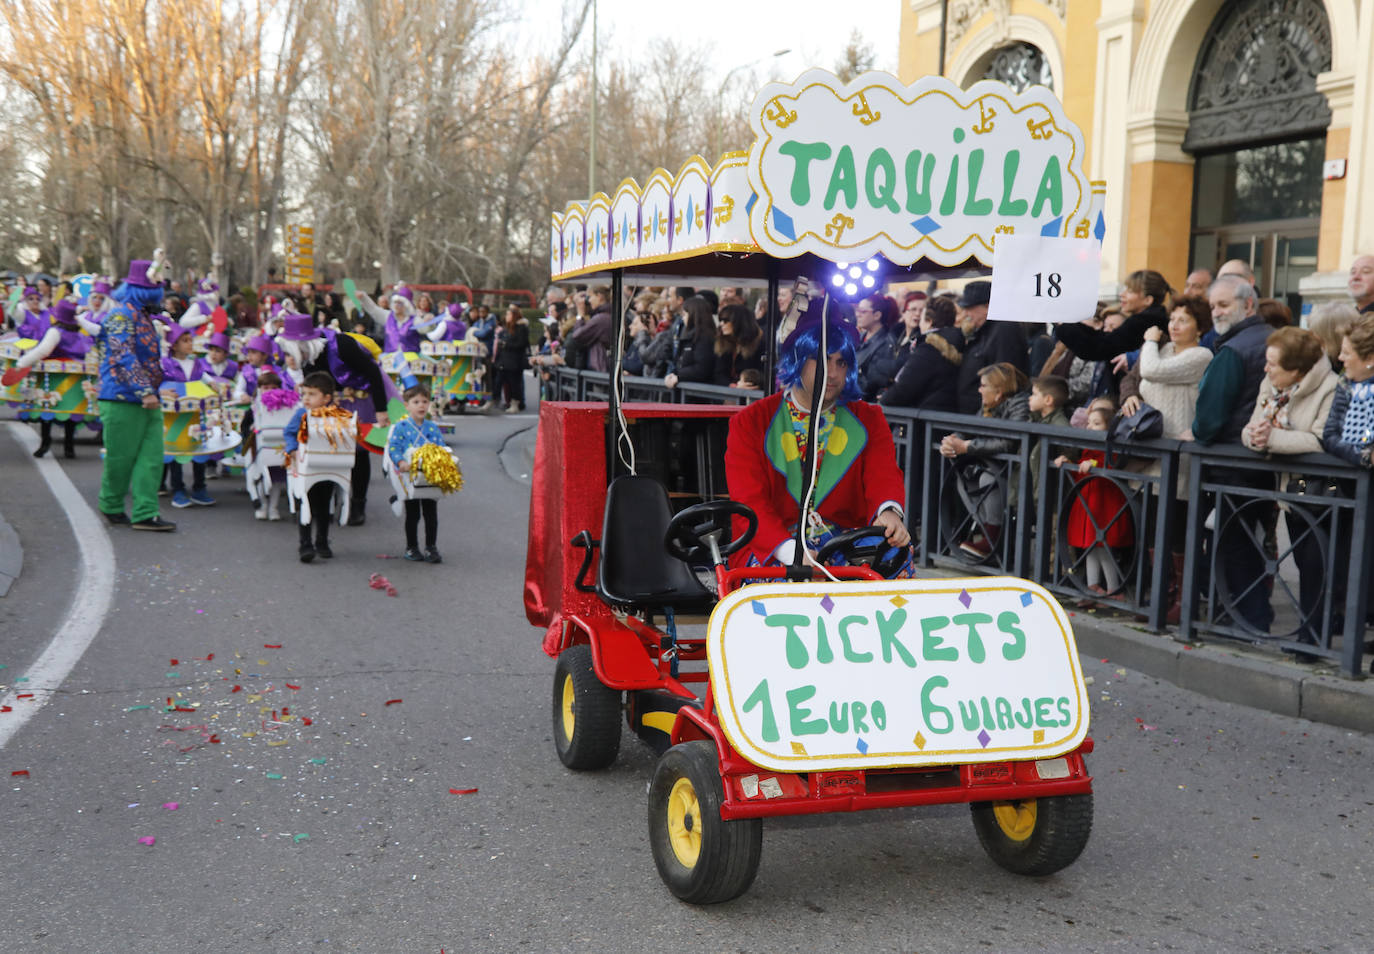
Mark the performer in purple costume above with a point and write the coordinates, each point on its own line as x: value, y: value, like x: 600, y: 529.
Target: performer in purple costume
x: 451, y: 327
x: 32, y: 319
x: 62, y: 341
x: 363, y: 389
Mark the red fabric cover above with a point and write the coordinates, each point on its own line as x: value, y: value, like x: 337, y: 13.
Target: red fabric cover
x: 1105, y: 500
x: 753, y: 480
x: 567, y: 496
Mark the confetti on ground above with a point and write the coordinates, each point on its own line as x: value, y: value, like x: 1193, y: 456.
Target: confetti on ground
x: 392, y: 702
x: 379, y: 582
x: 274, y: 776
x: 307, y: 720
x: 147, y: 840
x: 289, y: 686
x: 171, y: 806
x: 21, y: 679
x: 11, y: 708
x: 235, y: 689
x: 173, y: 663
x: 271, y: 645
x: 22, y: 773
x: 318, y: 761
x: 299, y: 838
x: 24, y: 695
x: 462, y: 791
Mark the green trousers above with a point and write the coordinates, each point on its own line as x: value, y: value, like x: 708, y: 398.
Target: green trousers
x: 133, y: 458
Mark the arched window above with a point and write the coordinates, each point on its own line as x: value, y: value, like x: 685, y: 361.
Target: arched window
x: 1256, y: 74
x: 1019, y: 65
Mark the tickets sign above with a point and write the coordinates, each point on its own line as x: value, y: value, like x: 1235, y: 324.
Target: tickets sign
x: 902, y: 673
x: 850, y: 170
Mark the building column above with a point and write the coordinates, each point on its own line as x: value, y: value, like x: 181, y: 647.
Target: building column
x: 1118, y: 31
x: 1342, y: 210
x: 1161, y: 199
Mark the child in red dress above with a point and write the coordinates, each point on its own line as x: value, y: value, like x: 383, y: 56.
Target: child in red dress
x: 1099, y: 520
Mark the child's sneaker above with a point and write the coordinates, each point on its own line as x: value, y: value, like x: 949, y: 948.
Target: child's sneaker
x: 273, y: 515
x: 202, y: 498
x: 260, y: 513
x: 180, y: 500
x: 323, y: 551
x: 432, y: 556
x: 414, y: 555
x: 307, y: 553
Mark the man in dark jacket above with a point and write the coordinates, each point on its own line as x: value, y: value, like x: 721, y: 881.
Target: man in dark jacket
x: 986, y: 344
x: 589, y: 342
x: 1226, y: 398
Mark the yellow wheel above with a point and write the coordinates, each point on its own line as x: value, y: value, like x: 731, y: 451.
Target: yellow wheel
x: 701, y: 858
x: 586, y: 714
x: 1035, y: 836
x: 1016, y: 819
x: 569, y: 694
x: 684, y: 823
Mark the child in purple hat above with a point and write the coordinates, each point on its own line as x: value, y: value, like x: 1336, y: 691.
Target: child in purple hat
x: 31, y: 320
x: 182, y: 367
x: 217, y: 363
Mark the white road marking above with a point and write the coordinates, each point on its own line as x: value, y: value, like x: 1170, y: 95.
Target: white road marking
x: 93, y: 592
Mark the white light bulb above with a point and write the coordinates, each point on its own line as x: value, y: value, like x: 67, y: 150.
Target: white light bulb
x: 838, y: 280
x: 851, y: 288
x: 855, y: 272
x: 841, y: 265
x: 868, y: 281
x: 872, y: 264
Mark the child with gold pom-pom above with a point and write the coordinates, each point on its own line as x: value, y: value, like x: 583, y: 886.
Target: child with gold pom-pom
x: 403, y: 446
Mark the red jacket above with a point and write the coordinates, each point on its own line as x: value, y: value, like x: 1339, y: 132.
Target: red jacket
x: 859, y: 472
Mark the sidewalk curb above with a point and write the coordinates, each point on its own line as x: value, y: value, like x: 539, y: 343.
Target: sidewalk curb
x: 11, y: 556
x: 1232, y: 674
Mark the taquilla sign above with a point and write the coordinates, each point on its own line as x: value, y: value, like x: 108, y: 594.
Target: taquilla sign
x: 811, y: 677
x: 849, y: 170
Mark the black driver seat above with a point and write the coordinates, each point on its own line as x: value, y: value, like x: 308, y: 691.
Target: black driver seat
x: 636, y: 569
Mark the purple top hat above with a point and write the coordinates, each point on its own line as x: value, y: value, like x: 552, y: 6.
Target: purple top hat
x: 299, y: 328
x: 259, y: 343
x: 64, y: 313
x: 100, y: 287
x: 401, y: 291
x: 31, y: 292
x: 218, y: 340
x: 205, y: 287
x: 174, y: 332
x: 138, y: 274
x: 455, y: 310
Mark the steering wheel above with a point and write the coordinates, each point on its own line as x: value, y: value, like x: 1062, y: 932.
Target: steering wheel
x: 875, y: 556
x: 688, y: 531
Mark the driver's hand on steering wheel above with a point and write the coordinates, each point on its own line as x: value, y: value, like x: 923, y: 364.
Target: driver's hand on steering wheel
x: 893, y: 529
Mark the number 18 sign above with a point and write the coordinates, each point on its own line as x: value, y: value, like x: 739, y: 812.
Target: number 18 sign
x: 1042, y: 278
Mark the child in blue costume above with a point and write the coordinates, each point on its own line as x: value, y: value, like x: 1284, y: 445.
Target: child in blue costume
x: 411, y: 431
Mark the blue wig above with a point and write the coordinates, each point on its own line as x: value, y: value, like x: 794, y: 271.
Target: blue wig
x: 804, y: 344
x: 143, y: 298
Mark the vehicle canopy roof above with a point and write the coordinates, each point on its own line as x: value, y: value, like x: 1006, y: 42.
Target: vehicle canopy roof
x: 920, y: 177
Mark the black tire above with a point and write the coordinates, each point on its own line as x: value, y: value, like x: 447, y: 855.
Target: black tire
x: 1037, y: 836
x: 586, y: 714
x: 701, y: 858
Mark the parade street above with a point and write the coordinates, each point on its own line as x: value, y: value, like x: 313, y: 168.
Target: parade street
x: 255, y: 754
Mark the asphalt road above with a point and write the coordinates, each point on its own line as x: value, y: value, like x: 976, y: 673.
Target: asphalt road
x: 1217, y: 828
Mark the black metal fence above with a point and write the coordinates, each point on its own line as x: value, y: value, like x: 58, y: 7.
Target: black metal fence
x: 1219, y: 541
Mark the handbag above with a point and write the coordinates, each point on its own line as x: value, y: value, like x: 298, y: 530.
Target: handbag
x: 1145, y: 424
